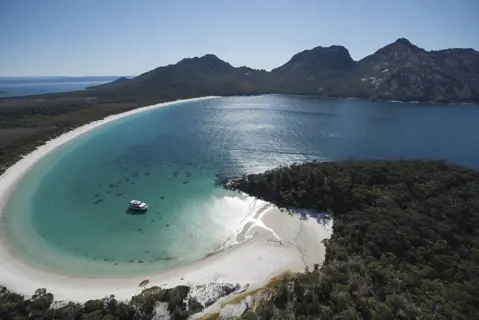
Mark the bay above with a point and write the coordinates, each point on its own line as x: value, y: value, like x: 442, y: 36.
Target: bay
x: 69, y: 215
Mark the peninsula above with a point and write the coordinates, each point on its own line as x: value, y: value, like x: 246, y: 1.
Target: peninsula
x: 404, y: 241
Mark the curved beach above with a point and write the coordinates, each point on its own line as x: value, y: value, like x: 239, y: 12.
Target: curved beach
x: 268, y: 243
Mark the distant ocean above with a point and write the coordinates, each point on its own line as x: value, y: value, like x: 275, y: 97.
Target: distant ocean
x: 24, y: 86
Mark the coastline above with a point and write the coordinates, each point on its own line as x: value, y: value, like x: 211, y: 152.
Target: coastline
x: 268, y: 244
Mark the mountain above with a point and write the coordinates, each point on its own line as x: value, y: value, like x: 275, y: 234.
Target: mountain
x: 399, y: 71
x: 307, y: 69
x: 403, y: 71
x: 191, y: 77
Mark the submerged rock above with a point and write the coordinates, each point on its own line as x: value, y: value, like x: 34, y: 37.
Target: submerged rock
x: 163, y: 258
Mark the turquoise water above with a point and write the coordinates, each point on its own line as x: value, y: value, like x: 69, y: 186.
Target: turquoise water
x: 69, y: 213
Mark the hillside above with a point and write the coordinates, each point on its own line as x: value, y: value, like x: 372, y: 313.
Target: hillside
x: 308, y: 70
x: 405, y: 241
x: 402, y: 71
x: 191, y: 77
x: 399, y: 71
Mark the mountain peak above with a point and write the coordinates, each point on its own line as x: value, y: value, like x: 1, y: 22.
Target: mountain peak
x: 319, y: 59
x: 400, y: 45
x: 398, y: 71
x: 403, y: 41
x: 210, y: 56
x: 208, y: 63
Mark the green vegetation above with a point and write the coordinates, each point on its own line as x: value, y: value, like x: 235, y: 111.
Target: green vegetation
x: 405, y: 241
x: 144, y: 283
x: 28, y: 122
x: 270, y: 285
x: 142, y: 306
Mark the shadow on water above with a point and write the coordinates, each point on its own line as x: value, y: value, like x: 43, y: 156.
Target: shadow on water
x: 136, y: 212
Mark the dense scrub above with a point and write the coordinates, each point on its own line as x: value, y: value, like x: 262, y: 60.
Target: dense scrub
x: 405, y: 241
x: 142, y: 306
x: 25, y: 123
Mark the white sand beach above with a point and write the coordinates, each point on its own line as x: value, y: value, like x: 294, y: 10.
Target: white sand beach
x: 268, y: 243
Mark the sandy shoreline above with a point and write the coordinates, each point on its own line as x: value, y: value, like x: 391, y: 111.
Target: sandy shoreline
x: 270, y: 242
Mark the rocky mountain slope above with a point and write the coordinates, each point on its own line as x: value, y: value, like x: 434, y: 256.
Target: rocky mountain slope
x: 399, y: 71
x: 403, y: 71
x: 191, y: 77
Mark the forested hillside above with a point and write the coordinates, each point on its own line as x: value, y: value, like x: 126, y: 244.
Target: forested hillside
x: 405, y: 241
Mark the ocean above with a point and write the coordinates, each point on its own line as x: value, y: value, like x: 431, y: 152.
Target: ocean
x: 68, y: 214
x: 24, y: 86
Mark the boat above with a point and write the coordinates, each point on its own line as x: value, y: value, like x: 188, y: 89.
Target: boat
x: 137, y: 205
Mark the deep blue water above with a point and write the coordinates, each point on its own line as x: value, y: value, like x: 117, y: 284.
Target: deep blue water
x: 23, y: 86
x: 170, y: 157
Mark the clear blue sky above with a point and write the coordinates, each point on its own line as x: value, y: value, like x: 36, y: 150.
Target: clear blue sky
x: 106, y: 37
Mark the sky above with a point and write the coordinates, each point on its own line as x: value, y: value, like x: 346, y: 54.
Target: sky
x: 120, y: 37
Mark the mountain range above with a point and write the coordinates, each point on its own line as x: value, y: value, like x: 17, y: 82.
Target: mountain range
x: 399, y: 71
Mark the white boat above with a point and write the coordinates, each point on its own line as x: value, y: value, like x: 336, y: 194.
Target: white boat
x: 138, y: 205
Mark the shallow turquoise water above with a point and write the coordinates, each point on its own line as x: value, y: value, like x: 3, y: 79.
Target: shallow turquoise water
x: 69, y: 213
